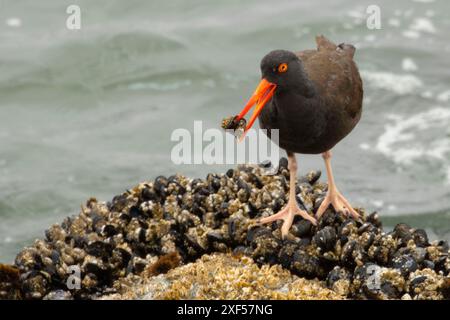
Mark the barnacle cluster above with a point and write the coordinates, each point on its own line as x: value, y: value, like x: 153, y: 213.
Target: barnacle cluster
x: 224, y: 276
x: 232, y: 123
x: 174, y: 220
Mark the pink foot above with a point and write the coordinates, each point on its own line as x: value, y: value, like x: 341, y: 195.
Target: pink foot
x: 287, y: 214
x: 339, y: 203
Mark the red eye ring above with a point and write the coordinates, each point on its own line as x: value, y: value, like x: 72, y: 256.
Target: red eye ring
x: 282, y: 67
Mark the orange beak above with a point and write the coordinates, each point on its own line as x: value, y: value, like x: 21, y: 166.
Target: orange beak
x: 262, y: 95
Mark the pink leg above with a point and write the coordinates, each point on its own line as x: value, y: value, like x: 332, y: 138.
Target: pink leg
x: 334, y: 197
x: 288, y: 213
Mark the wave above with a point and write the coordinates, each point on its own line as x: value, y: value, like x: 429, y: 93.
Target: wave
x: 400, y: 84
x: 407, y: 139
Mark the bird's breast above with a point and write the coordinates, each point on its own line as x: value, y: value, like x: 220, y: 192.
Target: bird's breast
x: 299, y: 121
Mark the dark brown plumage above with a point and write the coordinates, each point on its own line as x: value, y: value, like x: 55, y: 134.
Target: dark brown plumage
x: 314, y: 98
x: 314, y: 117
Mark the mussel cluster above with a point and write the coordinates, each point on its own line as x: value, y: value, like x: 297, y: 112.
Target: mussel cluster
x: 86, y: 255
x: 234, y: 125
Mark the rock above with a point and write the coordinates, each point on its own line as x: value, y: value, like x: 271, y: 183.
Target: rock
x: 313, y: 176
x: 339, y: 280
x: 212, y: 277
x: 9, y: 282
x: 405, y: 263
x: 151, y: 229
x: 307, y: 265
x: 325, y: 238
x: 163, y: 264
x: 420, y: 238
x: 374, y: 282
x: 427, y: 284
x: 302, y: 228
x: 58, y: 295
x: 403, y: 232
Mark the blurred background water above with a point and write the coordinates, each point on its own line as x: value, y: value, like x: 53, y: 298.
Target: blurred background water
x: 90, y: 112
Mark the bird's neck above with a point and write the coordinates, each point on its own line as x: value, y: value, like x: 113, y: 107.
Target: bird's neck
x: 306, y: 90
x: 300, y: 84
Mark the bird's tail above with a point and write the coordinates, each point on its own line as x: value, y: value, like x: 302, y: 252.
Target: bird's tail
x: 324, y: 44
x: 347, y: 48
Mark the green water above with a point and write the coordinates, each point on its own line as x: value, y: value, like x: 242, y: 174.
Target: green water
x: 90, y: 112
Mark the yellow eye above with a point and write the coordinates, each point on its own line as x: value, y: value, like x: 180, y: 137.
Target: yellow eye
x: 282, y: 67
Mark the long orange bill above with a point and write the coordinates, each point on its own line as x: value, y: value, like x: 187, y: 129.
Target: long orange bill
x: 262, y: 95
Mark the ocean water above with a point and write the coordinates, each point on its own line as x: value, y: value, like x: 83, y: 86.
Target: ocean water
x: 90, y: 112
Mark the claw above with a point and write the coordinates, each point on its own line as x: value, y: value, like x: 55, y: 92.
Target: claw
x: 287, y: 214
x: 339, y: 203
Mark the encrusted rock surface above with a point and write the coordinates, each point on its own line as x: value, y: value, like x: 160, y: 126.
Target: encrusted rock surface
x: 223, y: 276
x: 186, y: 218
x: 9, y: 282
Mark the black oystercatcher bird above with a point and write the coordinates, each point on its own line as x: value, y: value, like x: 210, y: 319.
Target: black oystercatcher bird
x: 314, y: 98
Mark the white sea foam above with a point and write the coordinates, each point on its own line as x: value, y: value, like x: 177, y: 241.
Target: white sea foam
x: 398, y: 83
x: 7, y: 239
x: 423, y: 25
x: 364, y: 146
x: 159, y: 86
x: 394, y: 22
x: 427, y: 94
x: 357, y: 16
x: 444, y: 96
x: 392, y: 207
x: 408, y: 64
x: 13, y: 22
x: 404, y: 140
x: 377, y: 203
x: 411, y: 34
x: 419, y: 26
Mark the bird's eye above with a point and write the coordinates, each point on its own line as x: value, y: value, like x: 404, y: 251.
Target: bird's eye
x: 282, y: 67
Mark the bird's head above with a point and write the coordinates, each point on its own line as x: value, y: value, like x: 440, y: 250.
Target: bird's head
x: 280, y: 70
x: 279, y: 67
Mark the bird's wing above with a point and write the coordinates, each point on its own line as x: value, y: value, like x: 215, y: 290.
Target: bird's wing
x: 323, y: 44
x: 335, y: 74
x: 305, y: 54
